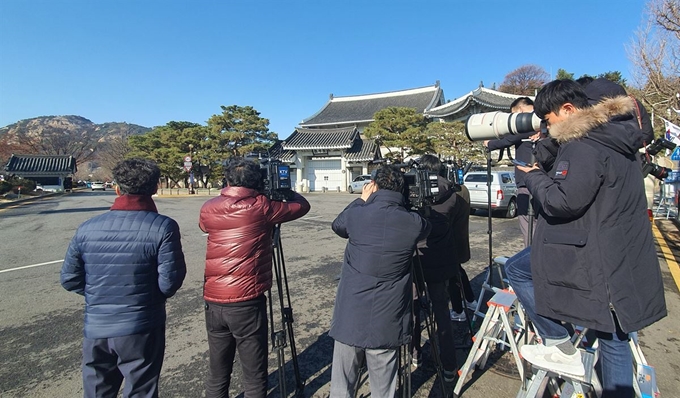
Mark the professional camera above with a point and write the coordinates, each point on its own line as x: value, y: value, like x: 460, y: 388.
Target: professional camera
x: 276, y: 183
x: 654, y: 169
x: 455, y: 171
x: 276, y: 180
x: 494, y: 125
x: 420, y: 185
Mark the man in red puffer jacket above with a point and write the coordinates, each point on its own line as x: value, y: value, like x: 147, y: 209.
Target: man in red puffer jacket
x: 238, y: 272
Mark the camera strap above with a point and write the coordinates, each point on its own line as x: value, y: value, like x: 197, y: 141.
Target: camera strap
x: 637, y: 111
x: 638, y: 115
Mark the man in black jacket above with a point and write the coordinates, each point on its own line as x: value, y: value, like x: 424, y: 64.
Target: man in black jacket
x: 593, y: 261
x: 372, y: 314
x: 437, y: 255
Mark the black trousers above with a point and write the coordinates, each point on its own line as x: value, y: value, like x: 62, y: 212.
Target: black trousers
x: 137, y: 358
x: 242, y: 327
x: 454, y: 290
x: 439, y: 298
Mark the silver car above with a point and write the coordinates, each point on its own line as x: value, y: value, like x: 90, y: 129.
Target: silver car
x: 358, y: 184
x: 98, y: 185
x: 503, y: 191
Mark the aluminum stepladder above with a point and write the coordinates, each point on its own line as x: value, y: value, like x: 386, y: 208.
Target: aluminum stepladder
x: 488, y: 285
x: 495, y: 329
x: 644, y: 377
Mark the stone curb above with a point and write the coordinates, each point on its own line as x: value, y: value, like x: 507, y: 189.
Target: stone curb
x: 29, y: 199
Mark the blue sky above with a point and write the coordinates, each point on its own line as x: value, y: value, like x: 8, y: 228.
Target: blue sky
x: 149, y: 62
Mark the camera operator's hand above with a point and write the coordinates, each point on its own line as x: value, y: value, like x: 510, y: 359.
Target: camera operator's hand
x: 528, y: 168
x: 486, y: 143
x: 367, y: 190
x: 536, y: 137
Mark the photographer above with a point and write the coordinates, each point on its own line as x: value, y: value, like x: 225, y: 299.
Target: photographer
x: 523, y: 152
x: 238, y: 273
x: 126, y: 262
x: 372, y: 313
x: 593, y: 261
x: 437, y: 253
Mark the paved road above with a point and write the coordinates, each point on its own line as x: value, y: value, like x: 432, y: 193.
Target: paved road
x: 41, y: 324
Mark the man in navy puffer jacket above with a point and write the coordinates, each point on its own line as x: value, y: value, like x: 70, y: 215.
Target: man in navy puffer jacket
x: 126, y: 263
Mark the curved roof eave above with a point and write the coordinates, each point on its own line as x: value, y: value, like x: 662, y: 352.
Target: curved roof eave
x: 349, y: 123
x: 318, y: 112
x: 437, y: 95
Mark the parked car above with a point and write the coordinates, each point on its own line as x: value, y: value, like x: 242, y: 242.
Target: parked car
x: 503, y: 191
x: 358, y: 184
x: 108, y: 184
x: 98, y: 185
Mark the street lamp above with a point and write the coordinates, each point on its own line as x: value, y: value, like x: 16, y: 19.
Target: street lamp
x: 191, y: 171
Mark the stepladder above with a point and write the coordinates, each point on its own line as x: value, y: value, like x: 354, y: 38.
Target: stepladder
x: 564, y: 385
x: 493, y: 282
x: 501, y: 329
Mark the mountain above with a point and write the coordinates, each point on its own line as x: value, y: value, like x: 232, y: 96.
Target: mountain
x: 70, y: 125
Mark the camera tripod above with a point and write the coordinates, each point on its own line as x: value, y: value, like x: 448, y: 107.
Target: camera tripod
x: 423, y: 299
x: 278, y: 337
x: 405, y: 355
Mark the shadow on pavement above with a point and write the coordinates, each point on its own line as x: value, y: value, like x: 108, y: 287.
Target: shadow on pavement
x: 79, y: 210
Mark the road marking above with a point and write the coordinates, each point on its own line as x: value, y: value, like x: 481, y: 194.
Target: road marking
x: 31, y: 266
x: 668, y: 255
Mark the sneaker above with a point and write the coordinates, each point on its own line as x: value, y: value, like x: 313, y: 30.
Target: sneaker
x: 458, y: 316
x: 449, y: 376
x: 472, y: 305
x: 553, y: 359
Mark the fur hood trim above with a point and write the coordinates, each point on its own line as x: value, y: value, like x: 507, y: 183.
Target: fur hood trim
x: 582, y: 122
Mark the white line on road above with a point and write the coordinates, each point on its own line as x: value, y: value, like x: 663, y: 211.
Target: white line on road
x: 31, y: 266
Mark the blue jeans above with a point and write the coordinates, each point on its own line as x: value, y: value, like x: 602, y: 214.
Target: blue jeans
x: 518, y: 271
x: 615, y: 360
x: 615, y: 355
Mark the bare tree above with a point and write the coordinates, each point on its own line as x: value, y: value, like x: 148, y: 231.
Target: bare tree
x: 524, y: 80
x: 114, y: 150
x: 655, y: 54
x: 54, y: 140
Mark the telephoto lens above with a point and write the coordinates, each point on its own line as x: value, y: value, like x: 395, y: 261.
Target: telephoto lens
x: 495, y: 125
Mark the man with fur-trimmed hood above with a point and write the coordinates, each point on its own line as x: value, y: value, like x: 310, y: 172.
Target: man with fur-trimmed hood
x: 593, y: 260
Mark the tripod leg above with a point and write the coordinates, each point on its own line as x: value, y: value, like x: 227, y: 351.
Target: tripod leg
x: 299, y: 383
x: 279, y: 266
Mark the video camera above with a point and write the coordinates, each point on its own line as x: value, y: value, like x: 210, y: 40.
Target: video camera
x: 276, y: 183
x: 420, y: 185
x: 495, y: 125
x: 276, y: 180
x: 654, y: 169
x: 455, y: 171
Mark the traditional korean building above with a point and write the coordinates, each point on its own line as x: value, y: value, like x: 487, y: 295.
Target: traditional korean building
x: 480, y: 100
x: 50, y: 171
x: 325, y: 159
x: 328, y: 150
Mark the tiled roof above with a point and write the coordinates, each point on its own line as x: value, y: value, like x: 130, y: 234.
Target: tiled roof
x: 277, y: 152
x: 41, y: 165
x: 361, y: 108
x: 363, y: 150
x: 488, y: 98
x: 310, y: 139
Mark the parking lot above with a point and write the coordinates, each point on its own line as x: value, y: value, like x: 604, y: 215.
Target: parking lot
x: 41, y: 324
